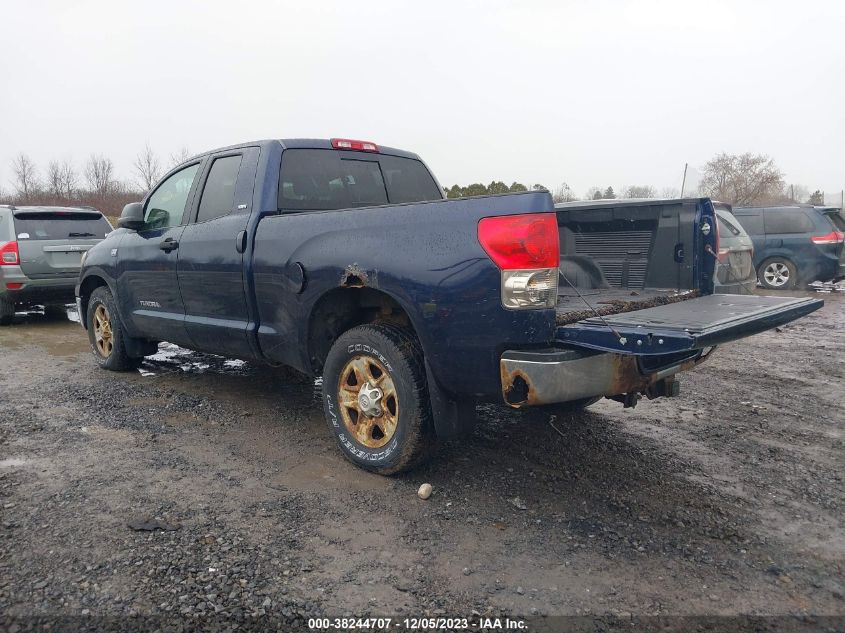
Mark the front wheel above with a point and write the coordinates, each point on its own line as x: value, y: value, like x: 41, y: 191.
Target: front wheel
x: 375, y: 398
x: 106, y: 334
x: 777, y: 273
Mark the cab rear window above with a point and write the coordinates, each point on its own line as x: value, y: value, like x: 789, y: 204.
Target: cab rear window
x: 317, y: 179
x: 60, y: 226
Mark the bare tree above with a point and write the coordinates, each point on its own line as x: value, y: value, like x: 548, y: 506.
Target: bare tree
x: 54, y: 178
x: 99, y: 173
x: 640, y: 191
x: 26, y: 177
x: 180, y: 157
x: 563, y: 193
x: 670, y: 192
x: 61, y: 179
x: 148, y: 168
x: 742, y: 179
x: 70, y: 180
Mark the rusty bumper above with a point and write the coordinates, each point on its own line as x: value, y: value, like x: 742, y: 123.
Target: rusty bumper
x: 549, y: 377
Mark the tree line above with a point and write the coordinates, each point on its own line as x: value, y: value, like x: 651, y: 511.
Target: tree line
x: 94, y: 184
x: 562, y: 193
x: 738, y: 179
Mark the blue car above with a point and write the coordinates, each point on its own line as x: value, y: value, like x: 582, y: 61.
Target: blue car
x: 795, y: 245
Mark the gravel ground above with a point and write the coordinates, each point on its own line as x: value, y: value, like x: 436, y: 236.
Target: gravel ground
x: 725, y: 501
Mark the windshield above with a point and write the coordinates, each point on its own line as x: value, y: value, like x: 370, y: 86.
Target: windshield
x: 60, y: 226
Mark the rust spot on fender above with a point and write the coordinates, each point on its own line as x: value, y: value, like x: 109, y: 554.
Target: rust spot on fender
x: 354, y: 277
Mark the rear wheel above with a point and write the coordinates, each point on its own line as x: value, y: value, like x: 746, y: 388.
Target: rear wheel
x: 375, y: 398
x: 777, y: 273
x: 105, y: 332
x: 7, y: 311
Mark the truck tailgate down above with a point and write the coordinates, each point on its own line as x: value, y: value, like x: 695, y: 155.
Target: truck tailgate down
x: 686, y: 325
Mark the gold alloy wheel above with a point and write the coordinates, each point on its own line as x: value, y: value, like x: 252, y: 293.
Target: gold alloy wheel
x: 369, y: 404
x: 103, y: 337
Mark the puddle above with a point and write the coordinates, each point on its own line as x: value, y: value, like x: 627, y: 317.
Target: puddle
x: 171, y: 358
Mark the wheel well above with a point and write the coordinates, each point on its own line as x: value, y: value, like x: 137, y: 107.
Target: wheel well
x: 88, y: 286
x: 771, y: 257
x: 343, y: 308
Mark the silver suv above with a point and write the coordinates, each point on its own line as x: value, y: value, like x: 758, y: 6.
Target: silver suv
x: 41, y: 251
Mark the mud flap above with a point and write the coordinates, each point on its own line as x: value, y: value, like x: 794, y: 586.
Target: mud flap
x: 687, y: 325
x: 138, y: 347
x: 452, y: 418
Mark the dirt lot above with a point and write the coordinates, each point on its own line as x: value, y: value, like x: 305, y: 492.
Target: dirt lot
x: 726, y: 500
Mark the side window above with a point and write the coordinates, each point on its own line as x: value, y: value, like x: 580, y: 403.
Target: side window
x: 218, y: 195
x: 753, y: 224
x: 166, y: 206
x: 788, y: 222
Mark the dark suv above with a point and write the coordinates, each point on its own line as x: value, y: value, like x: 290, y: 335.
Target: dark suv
x: 41, y: 250
x: 795, y: 245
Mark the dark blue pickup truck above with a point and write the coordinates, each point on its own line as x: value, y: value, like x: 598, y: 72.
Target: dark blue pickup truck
x: 342, y: 259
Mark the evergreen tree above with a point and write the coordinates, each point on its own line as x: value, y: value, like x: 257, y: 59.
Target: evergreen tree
x: 475, y: 189
x: 816, y: 198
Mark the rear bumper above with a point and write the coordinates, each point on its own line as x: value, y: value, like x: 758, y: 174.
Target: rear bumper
x: 553, y: 376
x: 33, y: 291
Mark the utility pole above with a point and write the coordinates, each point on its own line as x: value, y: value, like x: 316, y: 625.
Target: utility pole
x: 684, y: 181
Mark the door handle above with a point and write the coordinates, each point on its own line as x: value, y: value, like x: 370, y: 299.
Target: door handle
x: 240, y: 242
x: 169, y: 245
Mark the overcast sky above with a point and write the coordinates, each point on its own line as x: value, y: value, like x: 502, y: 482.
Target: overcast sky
x: 591, y: 93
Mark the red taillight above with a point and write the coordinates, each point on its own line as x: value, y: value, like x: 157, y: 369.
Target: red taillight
x: 348, y: 143
x: 9, y: 255
x: 14, y: 286
x: 834, y: 237
x: 521, y: 241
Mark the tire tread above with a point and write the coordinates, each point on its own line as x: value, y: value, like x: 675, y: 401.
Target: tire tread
x: 420, y: 439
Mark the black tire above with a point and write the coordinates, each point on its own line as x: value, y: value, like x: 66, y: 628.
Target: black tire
x: 114, y: 357
x: 777, y: 273
x: 568, y: 408
x: 406, y: 429
x: 7, y: 311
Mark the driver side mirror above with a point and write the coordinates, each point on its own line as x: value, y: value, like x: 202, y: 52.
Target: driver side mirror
x: 132, y: 216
